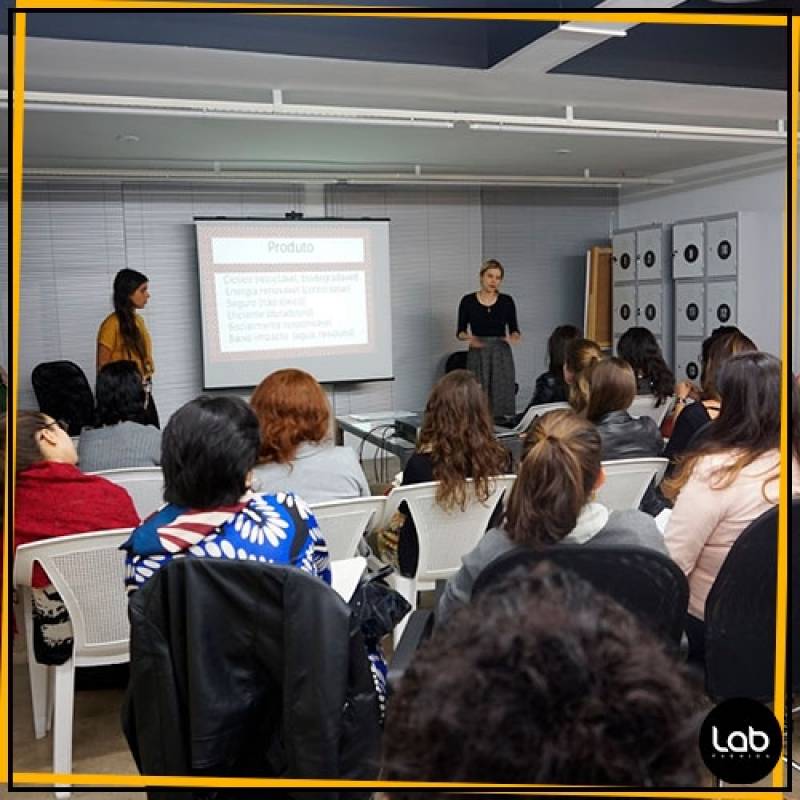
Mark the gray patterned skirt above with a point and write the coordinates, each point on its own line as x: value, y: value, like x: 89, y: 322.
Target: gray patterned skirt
x: 493, y: 366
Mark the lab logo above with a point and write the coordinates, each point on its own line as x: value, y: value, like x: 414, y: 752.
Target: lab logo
x: 740, y: 741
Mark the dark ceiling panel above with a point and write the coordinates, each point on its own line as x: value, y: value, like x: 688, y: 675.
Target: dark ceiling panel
x: 475, y: 44
x: 712, y: 55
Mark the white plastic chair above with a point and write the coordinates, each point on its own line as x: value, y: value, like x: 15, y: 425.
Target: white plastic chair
x: 443, y: 536
x: 145, y: 485
x: 644, y: 405
x: 344, y: 522
x: 627, y: 480
x: 88, y: 571
x: 533, y: 412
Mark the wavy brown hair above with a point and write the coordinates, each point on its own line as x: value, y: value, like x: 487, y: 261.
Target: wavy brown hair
x: 748, y: 425
x: 292, y: 408
x: 720, y: 348
x: 458, y: 433
x: 581, y: 355
x: 556, y: 478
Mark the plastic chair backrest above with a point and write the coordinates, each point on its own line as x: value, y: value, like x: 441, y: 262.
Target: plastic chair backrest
x: 456, y: 360
x: 648, y: 583
x: 627, y: 480
x: 88, y: 571
x: 644, y: 405
x: 145, y: 485
x: 344, y: 522
x: 740, y: 612
x: 536, y: 411
x: 63, y: 392
x: 445, y: 536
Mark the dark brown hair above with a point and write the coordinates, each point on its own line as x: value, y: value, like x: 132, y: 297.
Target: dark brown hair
x: 556, y: 478
x: 543, y: 680
x: 458, y: 432
x: 720, y: 348
x: 292, y: 408
x: 126, y: 282
x: 612, y: 387
x: 748, y: 425
x: 581, y: 354
x: 27, y: 451
x: 492, y: 263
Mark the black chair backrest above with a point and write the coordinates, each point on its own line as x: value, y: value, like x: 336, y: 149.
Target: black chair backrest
x: 740, y: 612
x: 457, y: 360
x: 63, y: 392
x: 647, y: 583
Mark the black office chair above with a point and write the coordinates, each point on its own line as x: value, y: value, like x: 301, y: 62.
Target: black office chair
x: 647, y: 583
x: 456, y: 360
x: 63, y: 392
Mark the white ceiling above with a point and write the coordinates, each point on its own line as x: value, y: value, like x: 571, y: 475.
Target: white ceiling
x: 519, y: 85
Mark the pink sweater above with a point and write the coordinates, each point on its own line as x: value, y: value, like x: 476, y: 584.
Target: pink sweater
x: 706, y: 521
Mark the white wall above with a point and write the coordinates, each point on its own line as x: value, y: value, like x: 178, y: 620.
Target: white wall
x: 746, y: 186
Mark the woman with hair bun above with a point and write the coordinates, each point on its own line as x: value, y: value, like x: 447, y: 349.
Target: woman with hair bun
x: 487, y: 321
x: 552, y: 502
x: 123, y: 335
x: 581, y: 355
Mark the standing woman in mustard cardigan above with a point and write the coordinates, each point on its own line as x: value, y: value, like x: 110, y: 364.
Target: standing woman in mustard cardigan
x: 123, y: 335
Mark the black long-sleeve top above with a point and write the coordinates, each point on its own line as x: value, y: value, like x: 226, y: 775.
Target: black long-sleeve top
x: 487, y: 320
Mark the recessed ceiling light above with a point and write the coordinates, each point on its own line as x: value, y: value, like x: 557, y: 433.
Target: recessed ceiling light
x: 563, y: 151
x: 127, y: 138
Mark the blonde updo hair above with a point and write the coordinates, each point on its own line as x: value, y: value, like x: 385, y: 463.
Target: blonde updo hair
x: 556, y: 478
x: 492, y: 263
x: 582, y: 354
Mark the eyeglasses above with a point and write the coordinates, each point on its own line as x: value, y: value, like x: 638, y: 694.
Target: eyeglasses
x: 59, y: 422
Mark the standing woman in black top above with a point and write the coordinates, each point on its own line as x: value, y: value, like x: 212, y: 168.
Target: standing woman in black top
x: 487, y: 320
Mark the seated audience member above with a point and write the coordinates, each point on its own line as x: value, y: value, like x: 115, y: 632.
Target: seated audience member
x: 640, y: 349
x: 581, y: 355
x: 716, y: 350
x: 208, y: 453
x: 730, y: 478
x: 612, y: 389
x: 121, y: 438
x: 550, y: 386
x: 551, y: 503
x: 543, y: 680
x: 456, y: 442
x: 54, y: 498
x: 296, y: 453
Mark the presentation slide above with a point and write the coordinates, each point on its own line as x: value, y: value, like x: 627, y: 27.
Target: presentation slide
x: 311, y: 294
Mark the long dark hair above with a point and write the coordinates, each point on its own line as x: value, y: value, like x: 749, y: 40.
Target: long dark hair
x: 458, y: 432
x: 640, y: 349
x: 557, y: 348
x: 749, y: 421
x: 126, y: 282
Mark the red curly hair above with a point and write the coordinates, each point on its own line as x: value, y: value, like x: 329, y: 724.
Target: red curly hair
x: 292, y: 408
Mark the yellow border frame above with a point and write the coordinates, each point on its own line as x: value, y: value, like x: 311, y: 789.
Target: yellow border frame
x: 677, y: 18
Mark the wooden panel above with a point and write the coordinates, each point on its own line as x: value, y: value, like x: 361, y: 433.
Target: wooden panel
x: 598, y: 296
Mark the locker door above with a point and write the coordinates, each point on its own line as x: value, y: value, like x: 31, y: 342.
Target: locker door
x: 623, y: 258
x: 624, y: 309
x: 722, y: 256
x: 649, y: 301
x: 687, y: 250
x: 720, y: 305
x: 687, y: 359
x: 649, y: 256
x: 689, y: 309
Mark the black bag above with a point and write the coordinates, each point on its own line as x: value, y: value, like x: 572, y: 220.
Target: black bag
x: 375, y: 608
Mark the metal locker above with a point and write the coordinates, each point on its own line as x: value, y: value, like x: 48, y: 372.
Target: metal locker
x: 690, y: 307
x: 624, y: 309
x: 722, y: 256
x: 687, y: 250
x: 623, y: 259
x: 687, y: 359
x: 649, y: 256
x: 720, y: 305
x: 649, y: 301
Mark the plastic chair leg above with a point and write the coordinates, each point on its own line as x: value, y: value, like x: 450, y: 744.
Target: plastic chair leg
x: 64, y: 700
x: 408, y: 588
x: 38, y: 674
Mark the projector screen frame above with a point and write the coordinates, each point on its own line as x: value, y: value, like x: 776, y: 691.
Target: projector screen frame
x: 292, y: 218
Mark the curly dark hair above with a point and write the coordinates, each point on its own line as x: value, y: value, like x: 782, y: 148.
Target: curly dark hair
x: 458, y: 432
x: 119, y: 394
x: 640, y: 349
x: 544, y: 680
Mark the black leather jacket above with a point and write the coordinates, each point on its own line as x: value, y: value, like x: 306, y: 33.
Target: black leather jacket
x: 627, y: 437
x: 242, y: 669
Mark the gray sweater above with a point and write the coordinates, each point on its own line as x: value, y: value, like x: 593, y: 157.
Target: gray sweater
x: 127, y: 444
x: 622, y: 528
